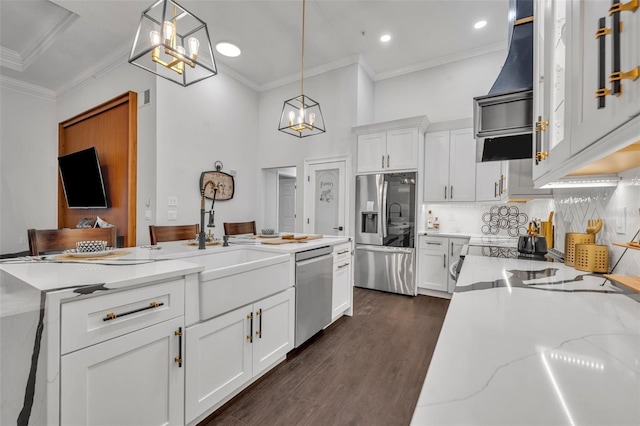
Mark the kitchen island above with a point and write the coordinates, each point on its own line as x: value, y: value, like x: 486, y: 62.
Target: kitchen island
x: 131, y: 320
x: 528, y: 342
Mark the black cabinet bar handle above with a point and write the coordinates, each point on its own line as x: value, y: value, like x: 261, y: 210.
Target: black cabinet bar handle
x: 382, y: 165
x: 451, y: 192
x: 602, y: 91
x: 444, y: 263
x: 445, y: 192
x: 616, y: 26
x: 259, y: 331
x: 178, y: 359
x: 112, y: 315
x: 495, y: 189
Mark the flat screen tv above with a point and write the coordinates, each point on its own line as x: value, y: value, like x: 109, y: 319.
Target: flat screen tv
x: 82, y: 180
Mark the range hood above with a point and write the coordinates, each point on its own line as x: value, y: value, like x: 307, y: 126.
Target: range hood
x: 503, y: 119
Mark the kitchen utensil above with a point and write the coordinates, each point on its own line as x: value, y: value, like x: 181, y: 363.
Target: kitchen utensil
x: 592, y: 258
x: 594, y: 226
x: 570, y: 241
x: 532, y: 244
x: 546, y: 230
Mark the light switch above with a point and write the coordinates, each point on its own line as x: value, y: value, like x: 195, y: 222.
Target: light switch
x: 172, y: 215
x: 172, y: 201
x: 147, y: 214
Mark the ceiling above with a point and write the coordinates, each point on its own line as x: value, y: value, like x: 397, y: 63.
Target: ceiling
x: 56, y: 45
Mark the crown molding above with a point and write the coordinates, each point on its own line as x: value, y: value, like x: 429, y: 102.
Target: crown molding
x: 443, y: 60
x: 29, y: 89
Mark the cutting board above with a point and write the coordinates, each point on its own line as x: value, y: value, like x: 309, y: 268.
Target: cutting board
x: 298, y: 239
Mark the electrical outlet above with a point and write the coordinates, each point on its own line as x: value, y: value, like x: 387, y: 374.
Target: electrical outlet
x: 172, y: 215
x: 452, y: 216
x: 147, y: 214
x: 172, y: 201
x: 22, y: 241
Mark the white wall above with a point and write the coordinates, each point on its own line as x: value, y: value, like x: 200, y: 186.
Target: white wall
x: 28, y: 167
x: 213, y: 120
x: 122, y: 79
x: 335, y: 91
x: 441, y: 93
x: 365, y: 98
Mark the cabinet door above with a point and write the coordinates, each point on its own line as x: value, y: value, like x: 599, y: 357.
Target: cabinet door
x: 462, y: 166
x: 553, y: 69
x: 594, y: 117
x: 436, y: 166
x: 132, y: 379
x: 341, y: 294
x: 488, y: 175
x: 273, y: 326
x: 402, y: 149
x: 218, y: 359
x: 372, y: 152
x: 520, y: 182
x: 432, y: 263
x: 455, y: 247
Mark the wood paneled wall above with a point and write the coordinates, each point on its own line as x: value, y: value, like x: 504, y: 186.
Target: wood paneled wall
x: 112, y: 128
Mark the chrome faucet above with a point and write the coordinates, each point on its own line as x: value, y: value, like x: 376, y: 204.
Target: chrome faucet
x: 202, y: 237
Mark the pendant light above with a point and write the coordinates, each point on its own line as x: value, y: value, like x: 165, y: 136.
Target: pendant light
x: 174, y: 44
x: 301, y: 116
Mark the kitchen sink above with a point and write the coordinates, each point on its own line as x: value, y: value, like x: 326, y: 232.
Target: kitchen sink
x: 235, y: 278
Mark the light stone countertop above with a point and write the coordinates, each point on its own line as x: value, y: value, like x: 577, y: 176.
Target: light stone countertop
x: 527, y: 342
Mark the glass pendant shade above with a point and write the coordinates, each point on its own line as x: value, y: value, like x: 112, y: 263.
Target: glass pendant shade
x: 301, y: 117
x: 173, y: 44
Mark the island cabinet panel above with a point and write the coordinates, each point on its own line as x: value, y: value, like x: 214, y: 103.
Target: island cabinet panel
x: 432, y: 263
x: 134, y: 379
x: 342, y: 289
x: 226, y: 352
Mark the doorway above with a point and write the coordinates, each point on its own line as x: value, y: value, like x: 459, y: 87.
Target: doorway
x: 326, y: 195
x: 279, y: 198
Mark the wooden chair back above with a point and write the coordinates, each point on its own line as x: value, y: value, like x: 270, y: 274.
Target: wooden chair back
x: 159, y: 234
x: 237, y: 228
x: 45, y: 240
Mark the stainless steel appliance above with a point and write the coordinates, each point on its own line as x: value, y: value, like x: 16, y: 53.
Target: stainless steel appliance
x: 503, y: 119
x: 314, y: 282
x: 385, y: 232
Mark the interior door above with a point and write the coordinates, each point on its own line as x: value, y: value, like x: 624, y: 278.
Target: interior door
x: 326, y: 198
x: 286, y: 204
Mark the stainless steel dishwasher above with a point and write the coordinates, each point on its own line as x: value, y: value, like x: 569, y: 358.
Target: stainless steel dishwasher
x: 314, y: 281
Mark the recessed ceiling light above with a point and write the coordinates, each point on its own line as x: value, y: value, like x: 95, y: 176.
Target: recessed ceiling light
x: 479, y: 24
x: 228, y: 49
x: 385, y: 38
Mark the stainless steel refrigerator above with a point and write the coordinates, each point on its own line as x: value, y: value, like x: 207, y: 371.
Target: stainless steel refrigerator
x: 385, y: 232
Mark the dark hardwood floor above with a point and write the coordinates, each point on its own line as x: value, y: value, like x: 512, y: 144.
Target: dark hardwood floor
x: 363, y: 370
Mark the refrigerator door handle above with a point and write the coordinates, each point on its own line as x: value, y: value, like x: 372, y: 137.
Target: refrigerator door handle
x: 385, y: 249
x: 383, y: 207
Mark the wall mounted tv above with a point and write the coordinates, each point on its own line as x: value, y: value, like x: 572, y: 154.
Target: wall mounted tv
x: 82, y: 180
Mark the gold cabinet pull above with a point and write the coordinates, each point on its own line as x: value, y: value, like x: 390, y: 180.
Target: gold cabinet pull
x: 542, y: 125
x: 630, y: 6
x: 343, y: 265
x: 629, y: 75
x: 603, y: 32
x: 178, y: 359
x: 600, y: 93
x: 250, y: 335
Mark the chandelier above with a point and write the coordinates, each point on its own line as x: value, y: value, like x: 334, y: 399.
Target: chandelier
x: 301, y: 116
x: 173, y: 44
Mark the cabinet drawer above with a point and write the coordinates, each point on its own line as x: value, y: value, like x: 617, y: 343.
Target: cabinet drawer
x: 341, y: 253
x: 90, y: 321
x: 433, y: 243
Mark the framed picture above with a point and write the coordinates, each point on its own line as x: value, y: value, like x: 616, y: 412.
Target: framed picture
x: 211, y: 180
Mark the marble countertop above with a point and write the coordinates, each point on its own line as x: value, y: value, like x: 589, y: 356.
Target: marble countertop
x: 527, y: 342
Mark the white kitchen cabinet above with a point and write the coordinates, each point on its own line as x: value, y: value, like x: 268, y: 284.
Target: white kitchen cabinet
x: 435, y: 256
x: 552, y: 81
x: 490, y: 179
x: 388, y: 151
x: 432, y: 263
x: 342, y: 280
x: 450, y: 166
x: 455, y: 247
x: 134, y: 379
x: 593, y: 117
x: 226, y: 352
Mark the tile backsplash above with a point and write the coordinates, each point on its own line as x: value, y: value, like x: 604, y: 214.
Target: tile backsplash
x: 618, y: 207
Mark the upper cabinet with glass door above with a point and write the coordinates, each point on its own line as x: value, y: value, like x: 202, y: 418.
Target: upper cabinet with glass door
x: 606, y: 87
x: 552, y: 69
